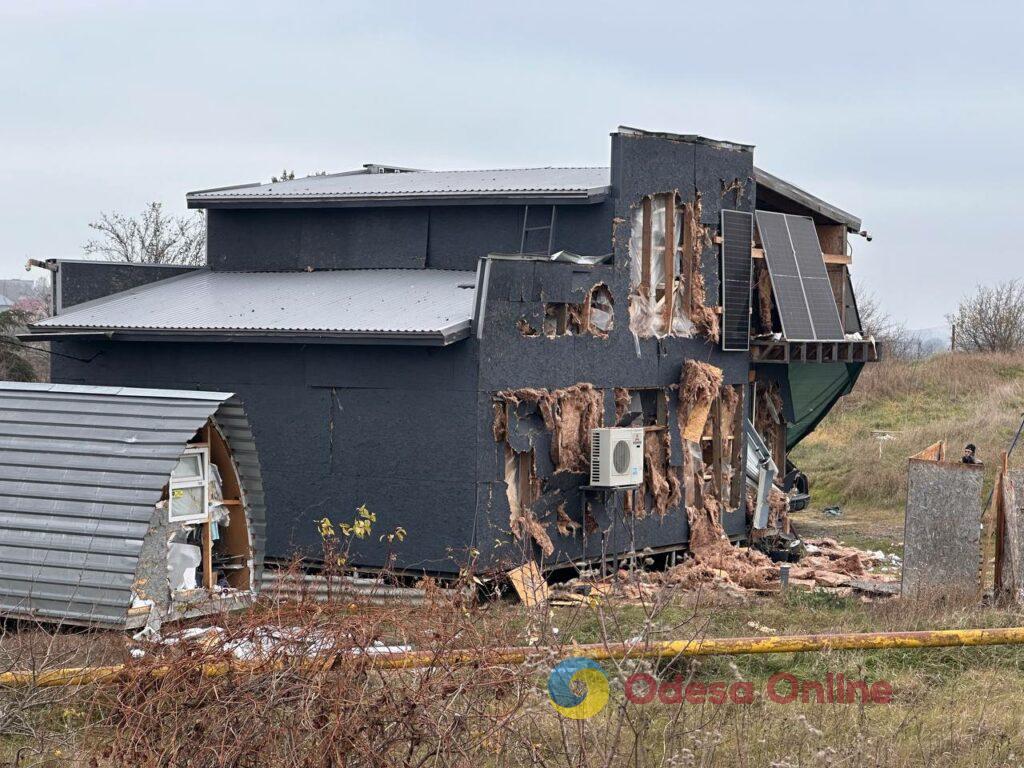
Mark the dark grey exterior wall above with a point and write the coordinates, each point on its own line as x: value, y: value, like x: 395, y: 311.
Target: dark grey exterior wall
x: 393, y: 428
x: 79, y: 281
x: 438, y: 237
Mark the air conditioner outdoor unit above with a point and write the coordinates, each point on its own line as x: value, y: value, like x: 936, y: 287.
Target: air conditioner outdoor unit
x: 616, y: 457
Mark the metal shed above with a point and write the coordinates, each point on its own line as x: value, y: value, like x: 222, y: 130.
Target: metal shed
x: 85, y: 525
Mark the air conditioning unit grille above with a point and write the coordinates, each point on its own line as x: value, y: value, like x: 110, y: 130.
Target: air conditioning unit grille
x: 621, y: 456
x: 617, y: 457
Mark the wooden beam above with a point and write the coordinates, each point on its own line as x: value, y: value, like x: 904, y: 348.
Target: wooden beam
x: 1000, y: 524
x: 736, y: 456
x: 687, y: 248
x: 830, y: 258
x: 645, y: 249
x: 669, y: 258
x: 207, y: 532
x: 716, y: 446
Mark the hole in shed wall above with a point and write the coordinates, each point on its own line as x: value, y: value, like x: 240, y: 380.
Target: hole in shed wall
x: 214, y: 553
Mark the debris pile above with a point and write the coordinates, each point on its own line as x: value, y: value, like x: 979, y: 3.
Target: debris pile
x: 716, y: 564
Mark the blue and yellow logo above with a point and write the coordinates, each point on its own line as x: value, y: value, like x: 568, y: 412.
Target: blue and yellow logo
x: 581, y: 671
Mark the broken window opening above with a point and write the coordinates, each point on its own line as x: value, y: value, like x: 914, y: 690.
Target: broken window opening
x: 655, y: 265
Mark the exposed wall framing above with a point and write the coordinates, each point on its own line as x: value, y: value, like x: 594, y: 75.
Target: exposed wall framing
x: 594, y: 316
x: 667, y: 296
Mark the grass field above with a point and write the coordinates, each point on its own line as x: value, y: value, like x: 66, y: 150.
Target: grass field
x: 957, y: 398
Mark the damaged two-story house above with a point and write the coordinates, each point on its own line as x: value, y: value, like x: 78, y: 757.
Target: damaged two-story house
x: 439, y: 345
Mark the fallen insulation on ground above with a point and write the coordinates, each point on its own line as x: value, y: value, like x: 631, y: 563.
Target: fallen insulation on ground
x: 717, y: 565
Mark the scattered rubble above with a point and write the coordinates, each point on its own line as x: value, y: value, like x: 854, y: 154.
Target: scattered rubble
x: 716, y: 564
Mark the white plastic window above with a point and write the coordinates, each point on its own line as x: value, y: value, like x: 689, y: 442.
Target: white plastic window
x: 188, y: 489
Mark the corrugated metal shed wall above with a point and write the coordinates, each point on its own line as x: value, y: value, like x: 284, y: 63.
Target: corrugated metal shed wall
x: 81, y: 469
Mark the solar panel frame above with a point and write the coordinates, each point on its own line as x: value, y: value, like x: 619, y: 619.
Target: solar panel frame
x: 792, y: 250
x: 737, y: 276
x: 790, y: 299
x: 821, y: 301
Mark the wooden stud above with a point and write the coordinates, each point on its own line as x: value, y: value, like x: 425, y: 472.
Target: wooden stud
x: 669, y: 258
x: 716, y: 446
x: 687, y: 248
x: 645, y: 249
x: 737, y: 452
x: 207, y: 532
x: 1000, y: 523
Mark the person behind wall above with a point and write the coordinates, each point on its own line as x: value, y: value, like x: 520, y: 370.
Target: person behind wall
x: 970, y: 454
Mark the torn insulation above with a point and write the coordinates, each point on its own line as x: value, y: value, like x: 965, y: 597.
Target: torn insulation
x: 699, y: 384
x: 569, y: 415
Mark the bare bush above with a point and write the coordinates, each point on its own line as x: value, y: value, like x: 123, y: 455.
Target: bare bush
x: 898, y: 342
x: 154, y: 237
x: 991, y: 320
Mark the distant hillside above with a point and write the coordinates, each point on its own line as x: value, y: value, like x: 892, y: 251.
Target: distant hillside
x: 959, y: 398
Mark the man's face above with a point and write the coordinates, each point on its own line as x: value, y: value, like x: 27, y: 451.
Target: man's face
x: 968, y: 453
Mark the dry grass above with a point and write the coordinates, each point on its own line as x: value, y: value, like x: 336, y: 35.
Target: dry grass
x: 352, y: 713
x: 959, y: 398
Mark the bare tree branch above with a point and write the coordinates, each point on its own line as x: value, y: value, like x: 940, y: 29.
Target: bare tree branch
x: 154, y: 237
x: 992, y: 319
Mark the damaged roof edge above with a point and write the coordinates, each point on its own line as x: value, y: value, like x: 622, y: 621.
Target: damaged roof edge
x: 688, y: 138
x: 806, y: 199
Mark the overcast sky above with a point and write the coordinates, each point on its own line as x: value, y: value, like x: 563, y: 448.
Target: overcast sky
x: 908, y: 115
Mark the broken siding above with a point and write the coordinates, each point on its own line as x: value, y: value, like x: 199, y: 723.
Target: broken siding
x: 81, y: 468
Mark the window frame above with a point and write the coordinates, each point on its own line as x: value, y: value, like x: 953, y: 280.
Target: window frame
x: 182, y: 483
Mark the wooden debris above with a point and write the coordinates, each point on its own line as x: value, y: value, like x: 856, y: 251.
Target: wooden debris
x: 529, y: 584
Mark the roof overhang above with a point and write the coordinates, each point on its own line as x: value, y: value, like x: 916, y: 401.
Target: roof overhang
x: 585, y: 197
x: 212, y: 335
x: 362, y: 306
x: 806, y: 199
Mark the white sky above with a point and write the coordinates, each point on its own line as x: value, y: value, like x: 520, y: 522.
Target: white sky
x: 906, y: 114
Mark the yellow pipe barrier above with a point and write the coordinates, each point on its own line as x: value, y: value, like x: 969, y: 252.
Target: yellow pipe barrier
x: 725, y: 646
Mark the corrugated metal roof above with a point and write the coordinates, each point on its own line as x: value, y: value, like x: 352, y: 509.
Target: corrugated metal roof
x: 81, y: 468
x: 410, y: 305
x: 579, y: 183
x: 806, y: 199
x: 586, y: 183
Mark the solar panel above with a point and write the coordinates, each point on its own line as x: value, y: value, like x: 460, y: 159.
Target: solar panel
x: 737, y: 268
x: 785, y: 275
x: 803, y: 294
x: 820, y: 298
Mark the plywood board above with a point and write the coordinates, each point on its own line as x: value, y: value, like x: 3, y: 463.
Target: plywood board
x: 529, y: 584
x: 1010, y: 497
x: 942, y: 534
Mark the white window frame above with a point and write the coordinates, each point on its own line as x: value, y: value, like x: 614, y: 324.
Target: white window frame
x: 176, y: 483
